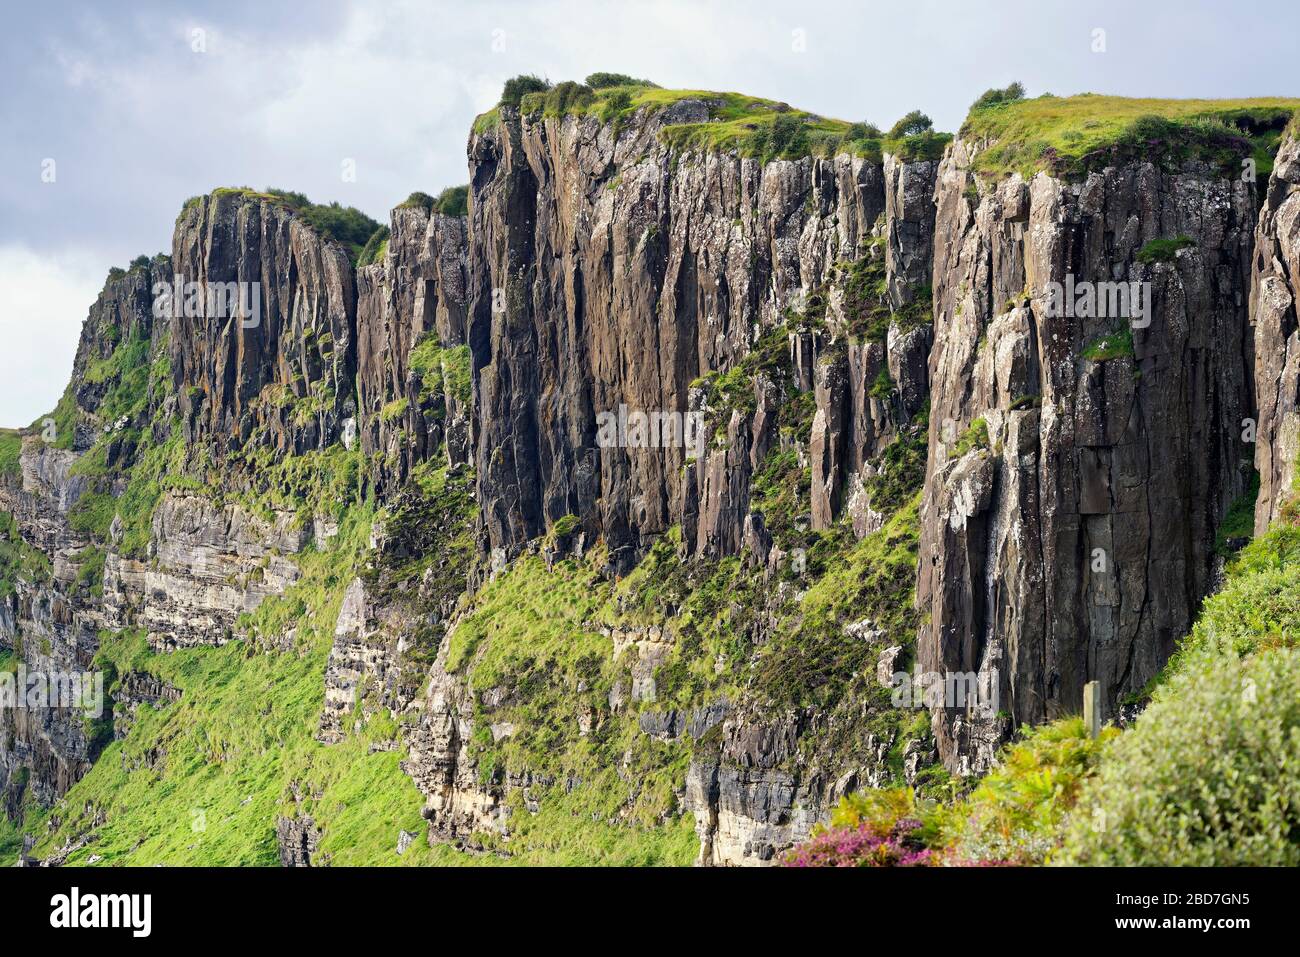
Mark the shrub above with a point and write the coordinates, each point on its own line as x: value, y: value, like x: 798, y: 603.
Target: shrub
x: 418, y: 200
x: 1206, y: 778
x: 1019, y: 809
x: 911, y: 124
x: 453, y: 201
x: 517, y: 87
x: 615, y: 105
x: 140, y: 262
x: 599, y: 81
x: 1163, y: 250
x: 867, y: 845
x: 996, y: 97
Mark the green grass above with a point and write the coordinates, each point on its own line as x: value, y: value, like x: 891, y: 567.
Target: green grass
x: 375, y: 248
x: 11, y: 448
x: 976, y: 436
x: 443, y: 371
x: 1071, y: 135
x: 18, y: 560
x: 1113, y: 345
x: 1239, y: 523
x: 748, y: 125
x: 239, y: 741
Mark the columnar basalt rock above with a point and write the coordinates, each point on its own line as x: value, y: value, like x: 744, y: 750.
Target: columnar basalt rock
x: 418, y: 291
x: 608, y: 270
x: 287, y: 382
x: 1072, y: 493
x: 1273, y: 289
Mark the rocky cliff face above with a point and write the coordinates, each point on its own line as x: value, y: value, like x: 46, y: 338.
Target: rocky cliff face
x: 609, y: 270
x: 1276, y: 341
x: 284, y: 383
x: 830, y: 326
x: 1075, y: 481
x: 415, y: 297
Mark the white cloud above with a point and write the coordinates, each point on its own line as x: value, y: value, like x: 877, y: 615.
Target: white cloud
x: 45, y: 300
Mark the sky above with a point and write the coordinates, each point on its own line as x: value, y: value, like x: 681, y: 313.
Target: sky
x: 111, y: 115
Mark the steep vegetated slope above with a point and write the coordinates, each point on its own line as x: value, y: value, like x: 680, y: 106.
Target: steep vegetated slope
x: 370, y: 584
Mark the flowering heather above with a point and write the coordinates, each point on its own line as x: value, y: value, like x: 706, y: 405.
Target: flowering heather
x: 867, y: 845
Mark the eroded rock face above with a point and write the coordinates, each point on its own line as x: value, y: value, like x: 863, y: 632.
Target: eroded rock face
x: 209, y: 563
x: 1277, y: 341
x: 417, y: 291
x: 1076, y: 541
x: 607, y: 270
x: 287, y: 382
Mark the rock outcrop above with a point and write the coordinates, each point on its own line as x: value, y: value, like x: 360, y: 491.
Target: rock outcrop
x: 1078, y: 464
x: 281, y: 379
x: 1273, y: 288
x: 415, y: 297
x: 608, y: 270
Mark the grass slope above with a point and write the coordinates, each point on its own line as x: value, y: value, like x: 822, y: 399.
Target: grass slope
x: 1071, y: 135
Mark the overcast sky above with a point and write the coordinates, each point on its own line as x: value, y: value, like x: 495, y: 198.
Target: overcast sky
x: 139, y: 111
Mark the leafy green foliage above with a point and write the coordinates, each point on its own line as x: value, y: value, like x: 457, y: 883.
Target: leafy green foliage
x: 911, y: 124
x: 599, y: 81
x: 453, y: 201
x: 1163, y: 250
x: 1018, y: 811
x: 995, y: 97
x: 1239, y: 523
x: 1204, y: 779
x: 517, y: 87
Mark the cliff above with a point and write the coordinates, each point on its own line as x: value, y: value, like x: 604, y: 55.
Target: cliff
x: 371, y: 564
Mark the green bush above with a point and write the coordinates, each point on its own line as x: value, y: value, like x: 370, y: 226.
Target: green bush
x: 599, y: 81
x: 517, y: 87
x: 1207, y: 777
x: 910, y: 125
x: 1018, y: 810
x: 418, y: 200
x: 996, y: 97
x: 453, y: 201
x: 1163, y: 250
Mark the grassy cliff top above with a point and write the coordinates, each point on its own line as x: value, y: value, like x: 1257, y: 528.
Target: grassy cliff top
x: 1075, y: 134
x: 739, y: 123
